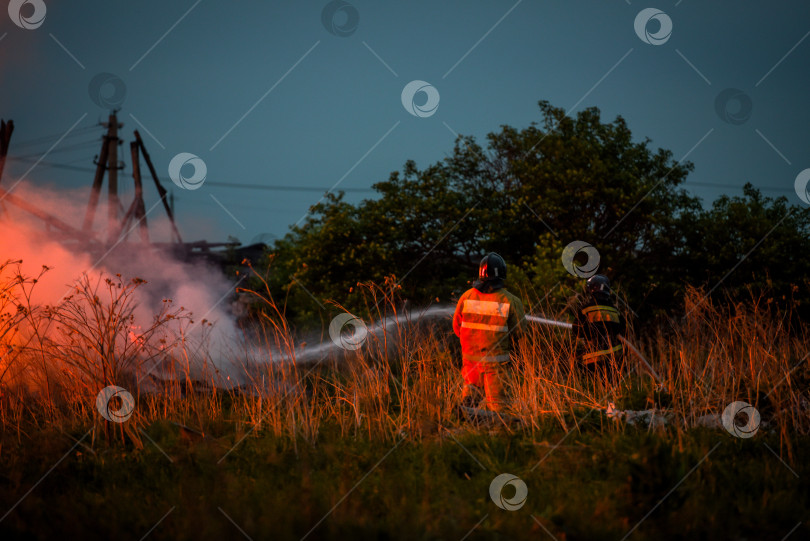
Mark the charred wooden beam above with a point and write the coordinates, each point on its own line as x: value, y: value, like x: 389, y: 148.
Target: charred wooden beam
x: 161, y: 190
x: 45, y: 217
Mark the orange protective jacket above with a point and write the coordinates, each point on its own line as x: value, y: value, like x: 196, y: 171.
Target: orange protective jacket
x: 484, y: 321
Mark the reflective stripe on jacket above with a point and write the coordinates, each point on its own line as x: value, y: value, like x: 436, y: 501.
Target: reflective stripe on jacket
x: 599, y: 323
x: 483, y: 322
x: 596, y: 356
x: 600, y: 312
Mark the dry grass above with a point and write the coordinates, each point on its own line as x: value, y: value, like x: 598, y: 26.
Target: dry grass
x: 404, y: 381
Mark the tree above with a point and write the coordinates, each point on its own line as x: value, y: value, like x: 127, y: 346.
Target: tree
x: 583, y: 179
x: 527, y: 195
x: 751, y: 242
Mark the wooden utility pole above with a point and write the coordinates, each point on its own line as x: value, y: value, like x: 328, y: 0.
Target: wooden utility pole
x: 5, y: 137
x: 140, y: 207
x: 101, y: 165
x: 112, y: 173
x: 137, y: 209
x: 161, y: 190
x: 107, y: 160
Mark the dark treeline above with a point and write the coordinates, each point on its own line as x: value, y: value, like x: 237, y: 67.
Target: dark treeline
x: 526, y: 195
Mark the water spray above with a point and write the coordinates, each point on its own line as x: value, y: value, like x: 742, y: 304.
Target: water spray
x: 550, y: 322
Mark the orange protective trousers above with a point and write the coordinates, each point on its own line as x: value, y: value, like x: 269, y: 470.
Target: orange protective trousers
x: 487, y: 376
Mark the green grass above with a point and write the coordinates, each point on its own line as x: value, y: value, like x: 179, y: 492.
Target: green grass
x: 596, y: 484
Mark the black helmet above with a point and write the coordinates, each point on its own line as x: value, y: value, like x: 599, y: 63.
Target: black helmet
x: 492, y: 267
x: 598, y: 284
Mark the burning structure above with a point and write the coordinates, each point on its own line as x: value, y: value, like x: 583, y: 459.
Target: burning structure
x: 120, y: 222
x: 65, y: 265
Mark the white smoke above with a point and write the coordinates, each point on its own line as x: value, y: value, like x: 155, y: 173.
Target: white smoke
x: 199, y: 289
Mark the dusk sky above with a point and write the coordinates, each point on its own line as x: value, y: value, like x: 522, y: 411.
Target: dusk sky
x: 264, y: 94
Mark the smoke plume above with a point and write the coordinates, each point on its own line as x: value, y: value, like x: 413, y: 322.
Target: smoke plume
x: 199, y: 289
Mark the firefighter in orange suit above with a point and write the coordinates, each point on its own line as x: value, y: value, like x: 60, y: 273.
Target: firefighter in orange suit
x: 486, y: 317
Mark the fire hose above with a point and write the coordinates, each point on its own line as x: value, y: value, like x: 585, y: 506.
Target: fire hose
x: 631, y: 347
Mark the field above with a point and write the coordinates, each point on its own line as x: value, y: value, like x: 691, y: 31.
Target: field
x: 369, y: 444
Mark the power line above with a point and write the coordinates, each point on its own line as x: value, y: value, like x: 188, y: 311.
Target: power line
x: 266, y: 187
x: 70, y: 148
x: 282, y: 187
x: 51, y: 138
x: 51, y: 164
x: 207, y: 183
x: 718, y: 185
